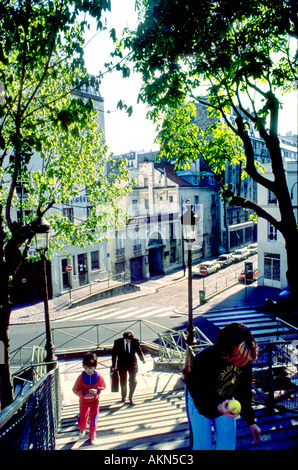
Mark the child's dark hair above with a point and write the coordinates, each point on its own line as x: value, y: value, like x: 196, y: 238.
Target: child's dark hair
x: 90, y: 360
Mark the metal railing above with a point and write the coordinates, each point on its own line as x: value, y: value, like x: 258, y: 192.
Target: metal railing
x: 212, y: 287
x: 106, y: 281
x: 286, y: 330
x: 275, y: 375
x: 31, y: 421
x: 86, y: 337
x: 173, y: 347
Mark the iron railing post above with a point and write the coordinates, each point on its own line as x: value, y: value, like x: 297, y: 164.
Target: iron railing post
x: 271, y: 377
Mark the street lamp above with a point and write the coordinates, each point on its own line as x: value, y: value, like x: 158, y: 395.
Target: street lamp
x: 189, y: 222
x: 183, y: 257
x: 42, y: 238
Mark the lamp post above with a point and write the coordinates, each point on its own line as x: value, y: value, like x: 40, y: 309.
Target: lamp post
x: 189, y: 222
x: 182, y: 202
x: 42, y: 238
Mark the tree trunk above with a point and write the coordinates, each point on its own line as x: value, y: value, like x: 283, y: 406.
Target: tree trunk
x: 291, y: 240
x: 6, y: 387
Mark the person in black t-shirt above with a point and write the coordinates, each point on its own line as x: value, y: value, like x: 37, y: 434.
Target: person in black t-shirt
x: 219, y: 373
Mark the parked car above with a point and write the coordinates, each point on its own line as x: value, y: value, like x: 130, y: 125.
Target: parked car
x: 240, y: 254
x: 283, y: 300
x: 252, y: 248
x: 208, y: 267
x: 225, y: 260
x: 241, y: 277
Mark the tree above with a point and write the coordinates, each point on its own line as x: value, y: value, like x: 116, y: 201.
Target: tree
x: 245, y: 53
x: 216, y: 146
x: 51, y: 146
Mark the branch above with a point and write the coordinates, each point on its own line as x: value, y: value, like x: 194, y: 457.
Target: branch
x: 247, y: 204
x: 250, y: 160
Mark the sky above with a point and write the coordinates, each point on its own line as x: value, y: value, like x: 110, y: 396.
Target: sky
x: 123, y: 133
x: 136, y: 133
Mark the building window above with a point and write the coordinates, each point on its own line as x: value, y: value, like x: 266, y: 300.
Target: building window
x: 272, y: 266
x: 147, y: 204
x: 65, y: 274
x: 272, y: 198
x: 136, y: 244
x: 22, y: 216
x: 68, y: 213
x: 171, y: 199
x: 74, y: 265
x: 94, y: 260
x: 89, y: 211
x: 272, y: 233
x: 171, y: 231
x: 119, y: 243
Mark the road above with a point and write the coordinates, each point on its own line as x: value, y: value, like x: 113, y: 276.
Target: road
x: 167, y: 307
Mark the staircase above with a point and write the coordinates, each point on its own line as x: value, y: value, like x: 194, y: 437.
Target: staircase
x: 158, y: 421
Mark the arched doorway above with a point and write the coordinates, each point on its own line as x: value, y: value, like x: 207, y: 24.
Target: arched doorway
x: 155, y: 247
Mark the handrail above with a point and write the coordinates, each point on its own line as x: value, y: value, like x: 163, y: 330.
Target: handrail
x: 7, y: 413
x: 24, y: 352
x: 284, y: 325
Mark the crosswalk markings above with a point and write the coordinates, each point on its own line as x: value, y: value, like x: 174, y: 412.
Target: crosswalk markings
x: 90, y: 315
x: 158, y: 313
x: 123, y: 313
x: 260, y: 324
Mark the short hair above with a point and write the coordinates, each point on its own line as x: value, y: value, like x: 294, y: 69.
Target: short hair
x: 236, y: 344
x: 128, y: 334
x: 90, y: 360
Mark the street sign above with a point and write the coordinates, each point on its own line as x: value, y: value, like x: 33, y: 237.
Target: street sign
x: 203, y: 270
x: 68, y: 268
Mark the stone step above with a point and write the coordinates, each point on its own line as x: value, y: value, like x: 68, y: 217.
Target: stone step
x: 152, y: 417
x: 279, y: 431
x: 159, y: 422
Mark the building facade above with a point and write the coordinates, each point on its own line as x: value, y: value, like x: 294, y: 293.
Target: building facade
x: 272, y: 258
x: 151, y: 241
x: 77, y: 266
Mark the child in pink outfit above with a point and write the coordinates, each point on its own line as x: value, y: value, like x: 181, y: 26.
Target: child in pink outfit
x: 88, y: 387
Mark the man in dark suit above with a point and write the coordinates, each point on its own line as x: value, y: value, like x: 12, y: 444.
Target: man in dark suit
x: 125, y: 361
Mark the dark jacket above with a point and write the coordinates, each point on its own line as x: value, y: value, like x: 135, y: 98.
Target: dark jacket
x: 123, y: 361
x: 213, y: 380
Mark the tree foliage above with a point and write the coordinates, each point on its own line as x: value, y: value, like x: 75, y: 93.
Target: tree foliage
x: 216, y: 146
x: 243, y: 54
x: 51, y: 147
